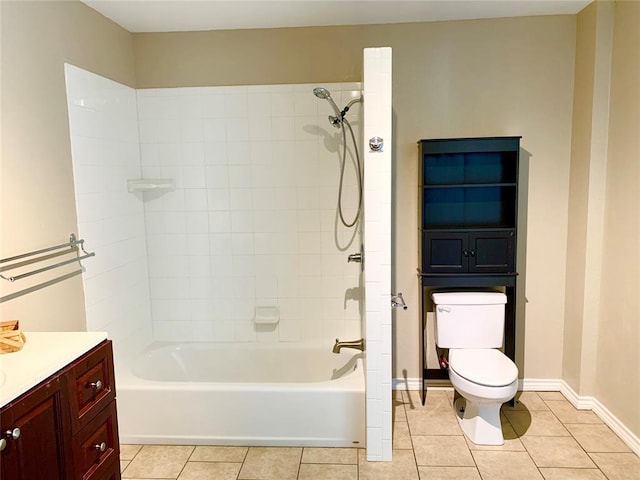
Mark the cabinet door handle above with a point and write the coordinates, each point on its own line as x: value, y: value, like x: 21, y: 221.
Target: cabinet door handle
x: 465, y: 253
x: 97, y: 385
x: 13, y: 434
x: 101, y: 447
x: 472, y: 253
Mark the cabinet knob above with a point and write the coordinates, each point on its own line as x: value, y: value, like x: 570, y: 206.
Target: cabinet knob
x: 3, y: 444
x: 97, y: 385
x: 465, y: 253
x: 13, y: 434
x: 472, y: 253
x: 101, y: 447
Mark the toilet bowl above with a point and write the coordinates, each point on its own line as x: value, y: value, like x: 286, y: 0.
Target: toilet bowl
x: 485, y: 379
x: 471, y: 326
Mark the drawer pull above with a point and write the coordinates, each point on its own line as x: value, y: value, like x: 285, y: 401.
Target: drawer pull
x: 97, y: 385
x: 13, y: 434
x: 101, y: 447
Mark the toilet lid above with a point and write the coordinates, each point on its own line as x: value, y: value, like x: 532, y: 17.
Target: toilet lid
x: 487, y: 366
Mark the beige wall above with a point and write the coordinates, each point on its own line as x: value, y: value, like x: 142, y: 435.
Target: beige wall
x: 618, y: 355
x: 450, y: 79
x: 602, y: 333
x: 579, y: 193
x: 37, y: 196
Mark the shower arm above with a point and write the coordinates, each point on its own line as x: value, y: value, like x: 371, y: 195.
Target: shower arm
x: 348, y: 106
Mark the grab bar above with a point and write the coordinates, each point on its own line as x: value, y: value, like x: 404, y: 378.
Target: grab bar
x: 74, y: 246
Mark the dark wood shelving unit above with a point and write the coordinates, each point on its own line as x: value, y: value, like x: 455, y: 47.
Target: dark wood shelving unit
x: 468, y: 217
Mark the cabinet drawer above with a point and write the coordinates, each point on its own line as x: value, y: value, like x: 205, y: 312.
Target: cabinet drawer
x: 110, y: 472
x: 92, y: 385
x: 96, y: 446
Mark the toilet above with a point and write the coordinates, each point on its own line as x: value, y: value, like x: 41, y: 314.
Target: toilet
x: 471, y: 326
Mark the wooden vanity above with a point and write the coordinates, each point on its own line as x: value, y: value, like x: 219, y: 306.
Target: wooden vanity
x: 64, y: 425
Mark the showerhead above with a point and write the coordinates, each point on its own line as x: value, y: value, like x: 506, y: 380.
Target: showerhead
x: 321, y: 92
x: 324, y: 94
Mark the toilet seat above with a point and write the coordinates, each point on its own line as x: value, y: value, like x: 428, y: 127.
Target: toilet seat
x: 486, y: 366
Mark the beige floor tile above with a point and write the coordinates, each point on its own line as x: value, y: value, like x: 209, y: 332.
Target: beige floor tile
x: 435, y: 400
x: 511, y: 441
x: 158, y: 461
x: 311, y: 471
x: 442, y: 451
x: 399, y: 414
x: 127, y: 452
x: 448, y: 473
x: 567, y: 413
x: 124, y: 464
x: 210, y: 470
x: 597, y: 438
x: 337, y: 456
x: 271, y: 463
x: 535, y: 423
x: 618, y: 466
x: 572, y: 474
x: 527, y: 401
x: 403, y: 467
x: 401, y: 436
x: 436, y: 422
x: 397, y: 396
x: 219, y: 454
x: 557, y: 452
x: 506, y: 466
x: 551, y: 396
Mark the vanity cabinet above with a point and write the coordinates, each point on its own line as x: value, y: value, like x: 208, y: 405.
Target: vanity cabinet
x: 66, y: 427
x: 468, y: 218
x: 34, y: 429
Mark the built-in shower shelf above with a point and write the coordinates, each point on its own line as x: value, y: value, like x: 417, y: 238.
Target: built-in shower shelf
x: 151, y: 185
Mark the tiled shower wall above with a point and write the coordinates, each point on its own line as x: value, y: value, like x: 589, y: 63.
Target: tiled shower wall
x: 105, y: 152
x: 252, y: 221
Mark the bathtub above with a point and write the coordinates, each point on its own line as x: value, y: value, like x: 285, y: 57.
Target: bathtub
x: 242, y: 394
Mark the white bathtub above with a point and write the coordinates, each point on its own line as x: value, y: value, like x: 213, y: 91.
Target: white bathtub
x: 242, y: 394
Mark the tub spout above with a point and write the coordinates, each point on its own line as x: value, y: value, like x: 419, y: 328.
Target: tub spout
x: 356, y: 344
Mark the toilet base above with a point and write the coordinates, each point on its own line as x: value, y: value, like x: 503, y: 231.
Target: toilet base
x: 480, y: 422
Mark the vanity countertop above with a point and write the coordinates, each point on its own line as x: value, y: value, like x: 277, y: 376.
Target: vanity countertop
x: 43, y: 354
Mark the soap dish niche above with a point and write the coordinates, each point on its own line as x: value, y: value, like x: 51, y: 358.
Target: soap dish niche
x: 151, y: 185
x: 266, y: 316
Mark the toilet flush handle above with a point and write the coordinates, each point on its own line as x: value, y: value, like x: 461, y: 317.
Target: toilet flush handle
x: 444, y: 309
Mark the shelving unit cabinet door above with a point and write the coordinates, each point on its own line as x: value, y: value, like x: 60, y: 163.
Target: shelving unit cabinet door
x: 445, y: 252
x: 492, y: 252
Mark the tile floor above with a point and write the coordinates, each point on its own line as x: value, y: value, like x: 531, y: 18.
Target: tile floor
x: 546, y: 438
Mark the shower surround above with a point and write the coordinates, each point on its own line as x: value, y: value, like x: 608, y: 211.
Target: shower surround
x: 251, y: 222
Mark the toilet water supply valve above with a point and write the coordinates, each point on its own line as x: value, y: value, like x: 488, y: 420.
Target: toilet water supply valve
x: 444, y: 364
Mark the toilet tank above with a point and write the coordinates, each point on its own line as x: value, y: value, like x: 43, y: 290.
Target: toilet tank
x: 469, y: 319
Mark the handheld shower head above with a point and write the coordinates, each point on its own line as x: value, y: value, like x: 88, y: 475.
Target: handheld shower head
x: 324, y: 94
x: 321, y: 92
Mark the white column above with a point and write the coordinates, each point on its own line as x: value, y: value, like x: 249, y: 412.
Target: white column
x: 377, y: 251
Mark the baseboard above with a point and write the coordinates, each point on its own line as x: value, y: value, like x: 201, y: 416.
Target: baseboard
x: 581, y: 402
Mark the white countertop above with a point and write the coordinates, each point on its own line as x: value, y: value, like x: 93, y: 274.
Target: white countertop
x: 43, y: 354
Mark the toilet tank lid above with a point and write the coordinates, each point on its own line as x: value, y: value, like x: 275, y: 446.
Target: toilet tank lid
x: 469, y: 298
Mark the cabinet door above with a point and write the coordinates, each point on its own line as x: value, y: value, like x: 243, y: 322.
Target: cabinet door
x: 445, y: 252
x: 39, y: 450
x: 492, y: 252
